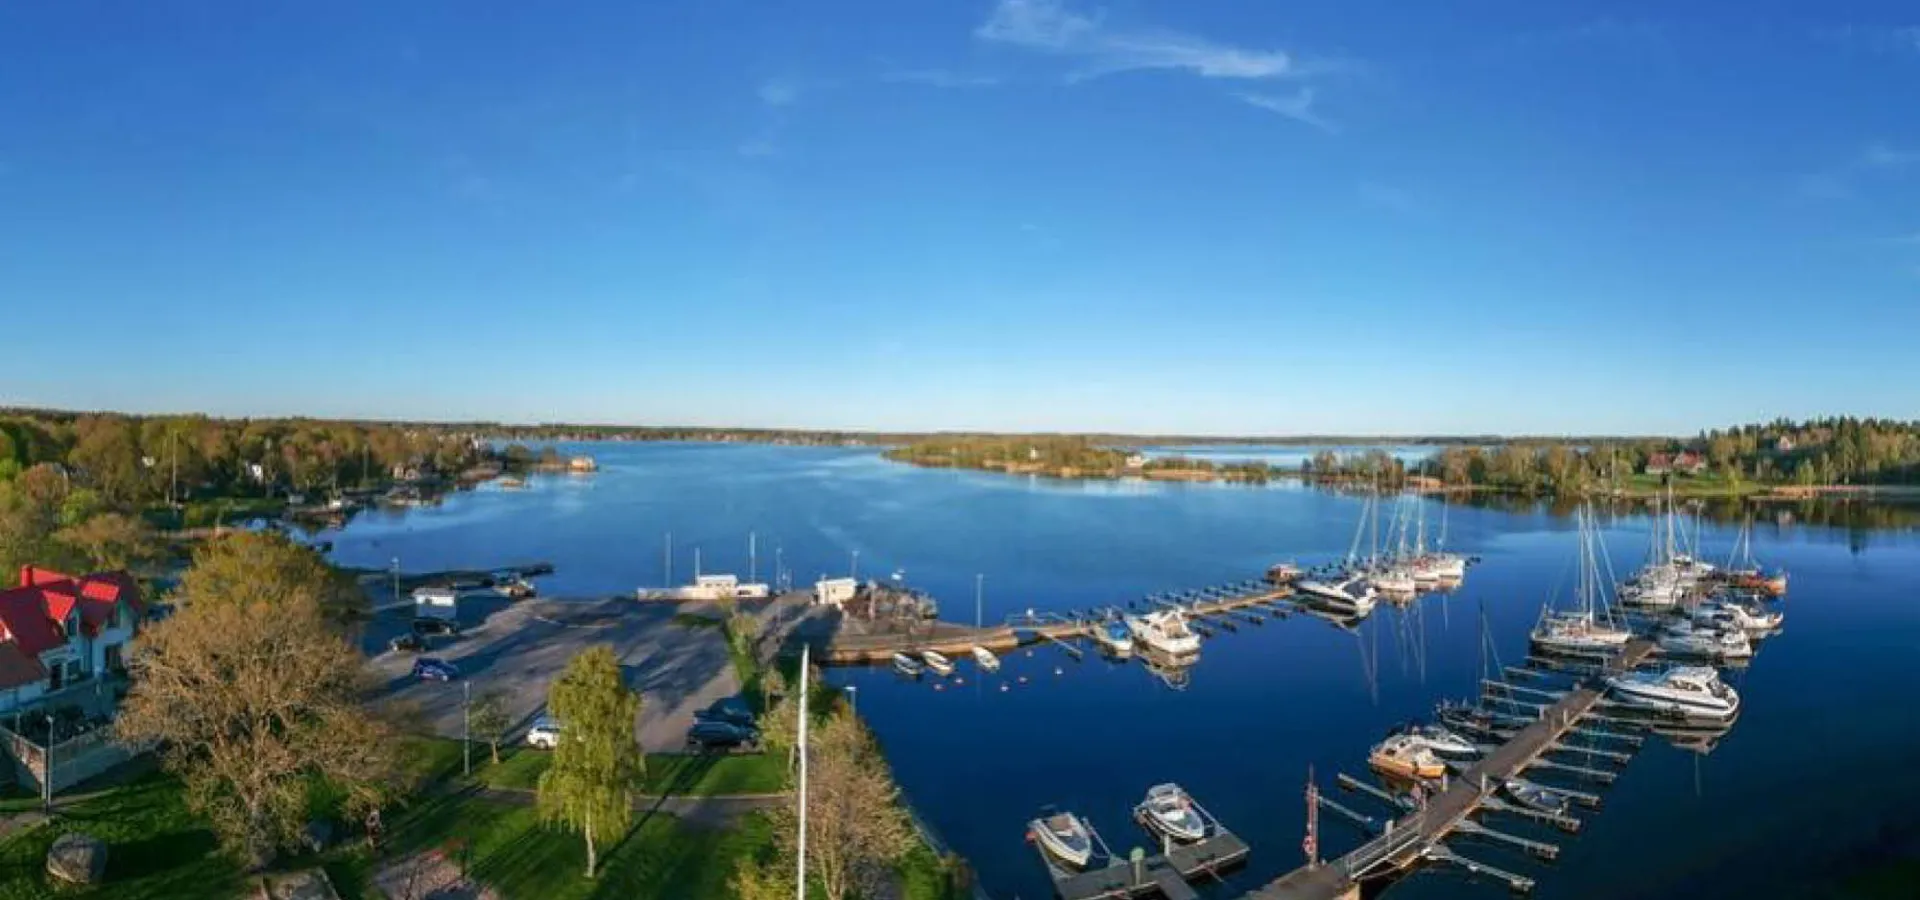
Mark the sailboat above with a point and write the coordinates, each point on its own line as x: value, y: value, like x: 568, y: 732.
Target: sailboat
x: 1590, y: 628
x: 1348, y: 590
x: 1744, y: 572
x: 1670, y: 575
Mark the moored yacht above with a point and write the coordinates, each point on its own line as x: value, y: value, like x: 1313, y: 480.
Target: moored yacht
x: 1685, y: 638
x: 985, y: 659
x: 1394, y: 580
x: 1064, y: 836
x: 1694, y: 692
x: 1735, y: 615
x: 1169, y: 811
x: 1442, y: 741
x: 1165, y: 631
x: 1349, y: 593
x: 1407, y: 757
x: 907, y: 665
x: 1589, y: 629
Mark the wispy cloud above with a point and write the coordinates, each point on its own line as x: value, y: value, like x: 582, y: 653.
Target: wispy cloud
x: 1877, y: 159
x: 1048, y: 26
x: 779, y: 91
x: 1297, y: 106
x: 1879, y: 38
x: 942, y: 78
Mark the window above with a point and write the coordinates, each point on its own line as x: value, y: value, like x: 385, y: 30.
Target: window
x: 115, y: 662
x: 56, y: 677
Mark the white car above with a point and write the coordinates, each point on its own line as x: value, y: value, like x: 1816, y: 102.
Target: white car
x: 544, y: 734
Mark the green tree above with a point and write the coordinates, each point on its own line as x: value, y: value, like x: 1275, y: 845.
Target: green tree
x: 111, y: 541
x: 108, y: 454
x: 243, y: 567
x: 490, y: 721
x: 589, y: 785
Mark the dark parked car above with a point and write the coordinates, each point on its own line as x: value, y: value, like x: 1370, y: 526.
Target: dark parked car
x: 731, y: 710
x: 408, y: 643
x: 425, y: 626
x: 435, y: 669
x: 712, y: 734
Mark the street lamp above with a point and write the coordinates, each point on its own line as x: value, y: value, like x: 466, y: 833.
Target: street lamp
x: 396, y: 581
x: 853, y: 699
x: 46, y: 784
x: 466, y: 740
x: 855, y: 573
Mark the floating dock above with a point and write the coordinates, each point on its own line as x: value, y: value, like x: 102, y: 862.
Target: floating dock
x: 1416, y: 836
x: 1164, y: 874
x: 959, y: 640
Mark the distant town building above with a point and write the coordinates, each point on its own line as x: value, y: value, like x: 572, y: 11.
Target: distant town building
x: 709, y: 587
x: 1136, y: 460
x: 1783, y: 445
x: 582, y: 464
x: 1685, y: 463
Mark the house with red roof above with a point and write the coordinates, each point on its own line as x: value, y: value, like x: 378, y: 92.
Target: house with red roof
x: 59, y: 631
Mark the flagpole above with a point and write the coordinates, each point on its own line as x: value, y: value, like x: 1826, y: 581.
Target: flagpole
x: 804, y: 665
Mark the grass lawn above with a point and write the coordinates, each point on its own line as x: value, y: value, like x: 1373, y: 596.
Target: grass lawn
x: 690, y: 620
x: 156, y: 849
x: 667, y: 773
x: 508, y: 848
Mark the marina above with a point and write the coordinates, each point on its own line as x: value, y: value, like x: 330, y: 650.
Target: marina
x: 1089, y: 551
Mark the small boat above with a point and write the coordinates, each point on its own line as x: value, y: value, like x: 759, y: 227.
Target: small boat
x: 1684, y: 638
x: 1064, y: 836
x: 1165, y: 631
x: 1442, y: 741
x: 1537, y: 797
x: 1692, y: 692
x: 937, y: 662
x: 907, y: 665
x: 1348, y: 593
x: 985, y: 659
x: 1113, y: 637
x: 1731, y: 614
x: 1282, y: 573
x: 1170, y: 811
x: 1407, y: 757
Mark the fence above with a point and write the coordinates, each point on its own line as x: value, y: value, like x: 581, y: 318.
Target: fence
x: 75, y: 759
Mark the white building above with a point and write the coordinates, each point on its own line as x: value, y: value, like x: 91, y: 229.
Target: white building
x: 709, y: 587
x: 436, y: 603
x: 835, y: 590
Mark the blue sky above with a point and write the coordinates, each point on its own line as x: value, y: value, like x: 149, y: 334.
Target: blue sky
x: 1200, y: 216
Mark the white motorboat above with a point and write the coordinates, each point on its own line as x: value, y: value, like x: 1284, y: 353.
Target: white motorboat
x: 985, y: 659
x: 1165, y: 631
x: 1731, y: 614
x: 1694, y: 692
x: 1684, y: 638
x: 937, y: 662
x: 1170, y: 811
x: 1442, y: 741
x: 1064, y: 836
x: 907, y: 665
x: 1114, y: 638
x: 1348, y: 593
x: 1407, y: 757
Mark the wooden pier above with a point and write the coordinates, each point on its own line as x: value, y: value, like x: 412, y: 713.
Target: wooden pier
x: 1416, y: 836
x: 847, y: 649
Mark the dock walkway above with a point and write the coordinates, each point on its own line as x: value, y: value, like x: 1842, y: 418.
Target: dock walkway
x: 953, y: 640
x: 1415, y: 836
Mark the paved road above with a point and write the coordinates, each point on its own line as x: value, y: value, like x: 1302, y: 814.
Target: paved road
x: 517, y: 649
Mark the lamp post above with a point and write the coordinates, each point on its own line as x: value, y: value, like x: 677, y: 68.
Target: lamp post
x: 853, y: 699
x: 854, y: 573
x: 466, y: 733
x: 46, y: 784
x: 396, y: 581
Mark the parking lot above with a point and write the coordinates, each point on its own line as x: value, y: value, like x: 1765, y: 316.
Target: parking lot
x: 517, y: 649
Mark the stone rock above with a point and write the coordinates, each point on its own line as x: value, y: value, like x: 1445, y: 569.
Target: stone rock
x: 78, y: 859
x: 312, y: 884
x: 318, y: 835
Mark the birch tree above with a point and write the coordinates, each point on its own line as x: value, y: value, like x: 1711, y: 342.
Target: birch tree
x: 856, y: 830
x: 589, y: 787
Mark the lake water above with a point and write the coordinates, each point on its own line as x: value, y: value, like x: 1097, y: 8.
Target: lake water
x: 1817, y: 779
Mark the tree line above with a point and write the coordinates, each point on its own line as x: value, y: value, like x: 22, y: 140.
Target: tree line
x: 1836, y: 450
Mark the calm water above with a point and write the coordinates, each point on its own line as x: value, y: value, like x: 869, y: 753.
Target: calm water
x: 1818, y: 777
